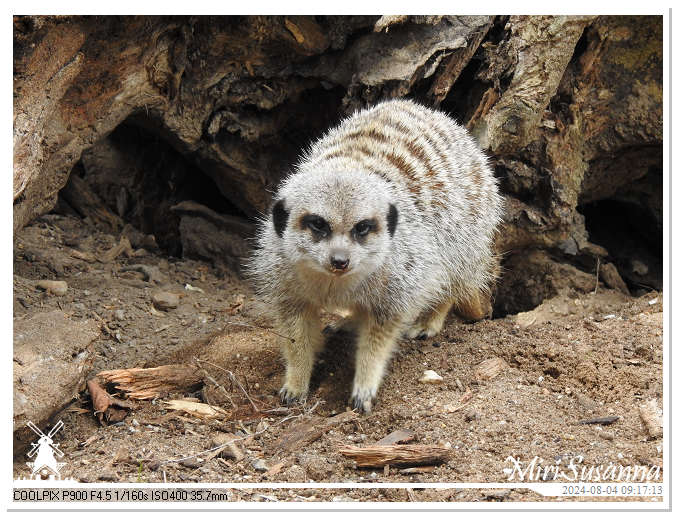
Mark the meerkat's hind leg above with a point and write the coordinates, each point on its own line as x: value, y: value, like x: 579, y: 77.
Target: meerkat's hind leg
x: 300, y: 354
x: 479, y: 303
x: 430, y: 322
x: 475, y: 308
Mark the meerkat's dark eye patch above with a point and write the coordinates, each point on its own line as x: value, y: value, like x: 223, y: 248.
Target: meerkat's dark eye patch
x: 280, y: 217
x: 392, y: 219
x: 363, y: 227
x: 317, y: 225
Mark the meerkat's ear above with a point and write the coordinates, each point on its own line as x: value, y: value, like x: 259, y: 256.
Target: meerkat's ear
x: 280, y: 217
x: 392, y: 219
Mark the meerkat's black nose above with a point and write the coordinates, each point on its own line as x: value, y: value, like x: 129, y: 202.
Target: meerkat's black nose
x: 339, y: 262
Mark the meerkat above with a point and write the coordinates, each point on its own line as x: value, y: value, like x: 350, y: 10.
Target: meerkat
x: 390, y: 216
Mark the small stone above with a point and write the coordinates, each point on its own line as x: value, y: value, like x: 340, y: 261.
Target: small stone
x: 165, y: 300
x: 57, y: 288
x: 490, y: 368
x: 431, y: 377
x: 606, y: 435
x: 119, y: 314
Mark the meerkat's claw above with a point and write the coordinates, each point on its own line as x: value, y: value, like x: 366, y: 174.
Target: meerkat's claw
x: 421, y: 332
x: 287, y: 396
x: 362, y: 400
x: 431, y: 323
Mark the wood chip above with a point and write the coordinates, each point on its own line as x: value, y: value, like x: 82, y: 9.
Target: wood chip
x: 275, y: 469
x: 55, y: 287
x: 123, y: 246
x: 467, y: 396
x: 396, y: 455
x: 80, y: 255
x: 420, y: 469
x: 89, y: 441
x: 449, y: 408
x: 200, y: 410
x: 430, y: 377
x: 651, y: 416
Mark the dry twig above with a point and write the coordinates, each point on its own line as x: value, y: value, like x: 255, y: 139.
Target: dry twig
x: 233, y: 379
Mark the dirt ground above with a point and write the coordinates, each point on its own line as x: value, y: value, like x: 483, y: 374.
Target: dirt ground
x: 589, y: 355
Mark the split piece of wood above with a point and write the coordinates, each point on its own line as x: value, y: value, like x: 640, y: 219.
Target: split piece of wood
x: 149, y: 383
x: 396, y: 455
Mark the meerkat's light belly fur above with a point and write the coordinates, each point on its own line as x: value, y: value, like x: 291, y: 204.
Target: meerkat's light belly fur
x: 422, y: 187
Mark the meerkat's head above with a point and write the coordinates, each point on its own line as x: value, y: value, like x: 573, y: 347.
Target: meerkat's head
x: 338, y: 224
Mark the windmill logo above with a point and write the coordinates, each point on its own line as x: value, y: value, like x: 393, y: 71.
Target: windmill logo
x: 45, y: 450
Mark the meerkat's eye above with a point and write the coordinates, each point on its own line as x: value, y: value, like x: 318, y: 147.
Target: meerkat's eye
x: 364, y: 227
x: 317, y: 225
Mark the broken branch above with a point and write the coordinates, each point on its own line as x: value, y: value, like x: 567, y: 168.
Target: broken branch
x: 396, y: 455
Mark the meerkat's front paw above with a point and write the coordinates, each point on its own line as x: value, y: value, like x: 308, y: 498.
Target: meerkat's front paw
x: 289, y: 395
x: 429, y: 324
x: 362, y: 399
x: 423, y: 331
